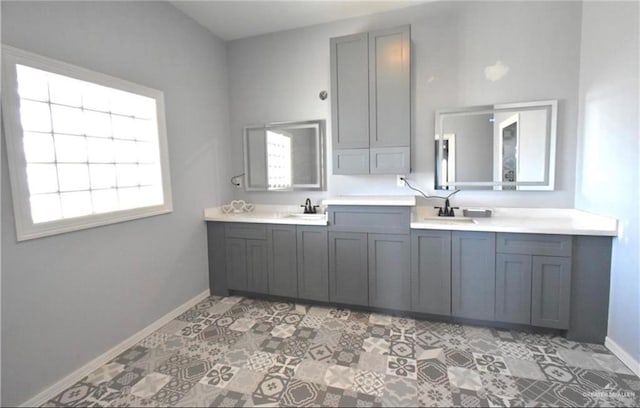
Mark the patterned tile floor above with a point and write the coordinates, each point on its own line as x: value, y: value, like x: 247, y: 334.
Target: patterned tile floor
x: 237, y: 351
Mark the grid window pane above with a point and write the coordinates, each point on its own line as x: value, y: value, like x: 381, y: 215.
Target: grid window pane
x: 102, y: 175
x: 35, y: 116
x: 150, y: 174
x: 124, y: 127
x: 127, y: 175
x: 97, y: 124
x: 75, y: 204
x: 105, y: 200
x: 151, y: 195
x: 64, y: 90
x: 38, y: 148
x: 146, y: 130
x: 125, y: 151
x: 100, y: 150
x: 147, y: 152
x: 32, y: 83
x: 42, y: 178
x: 73, y: 177
x: 67, y: 120
x: 129, y: 198
x: 45, y: 207
x: 71, y: 149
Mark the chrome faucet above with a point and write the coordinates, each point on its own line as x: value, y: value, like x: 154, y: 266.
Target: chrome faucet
x: 308, y: 208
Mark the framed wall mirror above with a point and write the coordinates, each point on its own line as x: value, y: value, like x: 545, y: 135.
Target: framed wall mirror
x: 285, y: 156
x: 497, y: 147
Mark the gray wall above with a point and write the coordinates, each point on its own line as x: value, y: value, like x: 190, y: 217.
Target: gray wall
x: 277, y: 77
x: 68, y: 298
x: 608, y: 151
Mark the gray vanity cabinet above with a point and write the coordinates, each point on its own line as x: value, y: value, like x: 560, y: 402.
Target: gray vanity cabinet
x: 257, y: 278
x: 245, y: 254
x: 473, y: 272
x: 431, y: 271
x: 370, y: 100
x: 369, y: 256
x: 348, y: 265
x: 513, y: 288
x: 533, y: 279
x: 313, y: 263
x: 389, y: 271
x: 551, y: 286
x: 282, y: 261
x: 245, y: 264
x: 235, y: 251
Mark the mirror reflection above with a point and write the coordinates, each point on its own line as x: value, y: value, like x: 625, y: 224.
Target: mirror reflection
x: 499, y: 147
x: 284, y: 156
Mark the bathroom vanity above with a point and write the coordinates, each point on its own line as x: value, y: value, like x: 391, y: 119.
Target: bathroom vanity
x: 544, y: 268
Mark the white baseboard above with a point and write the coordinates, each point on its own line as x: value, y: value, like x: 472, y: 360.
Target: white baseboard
x: 626, y: 358
x: 99, y: 361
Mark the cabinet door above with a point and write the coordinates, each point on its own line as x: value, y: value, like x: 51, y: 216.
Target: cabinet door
x: 257, y: 276
x: 217, y: 268
x: 473, y: 274
x: 390, y: 87
x: 350, y: 161
x: 513, y: 288
x: 431, y: 272
x: 313, y: 263
x: 550, y: 292
x: 389, y: 271
x: 389, y: 160
x: 283, y: 276
x: 350, y: 91
x: 236, y: 262
x: 348, y: 278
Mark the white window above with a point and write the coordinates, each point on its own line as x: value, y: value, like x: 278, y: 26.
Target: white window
x: 85, y: 149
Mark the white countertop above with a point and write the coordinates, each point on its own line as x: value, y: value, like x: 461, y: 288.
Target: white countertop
x: 267, y: 214
x: 521, y: 220
x: 409, y: 201
x: 518, y: 220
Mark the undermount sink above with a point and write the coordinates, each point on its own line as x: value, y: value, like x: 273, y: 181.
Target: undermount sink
x: 451, y: 220
x: 307, y: 216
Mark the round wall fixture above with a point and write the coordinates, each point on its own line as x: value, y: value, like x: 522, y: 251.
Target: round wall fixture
x: 323, y: 95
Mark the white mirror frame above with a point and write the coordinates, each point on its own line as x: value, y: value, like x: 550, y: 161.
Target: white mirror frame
x: 319, y: 124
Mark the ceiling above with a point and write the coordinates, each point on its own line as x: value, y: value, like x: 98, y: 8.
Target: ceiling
x: 231, y: 20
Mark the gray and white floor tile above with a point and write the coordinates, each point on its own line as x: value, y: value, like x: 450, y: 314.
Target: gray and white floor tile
x: 236, y: 351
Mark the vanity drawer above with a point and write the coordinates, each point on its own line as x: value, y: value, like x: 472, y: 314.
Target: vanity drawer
x: 244, y: 230
x: 370, y: 219
x: 534, y: 244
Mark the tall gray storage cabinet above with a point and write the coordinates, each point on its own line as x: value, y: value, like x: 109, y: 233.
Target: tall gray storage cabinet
x: 371, y: 102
